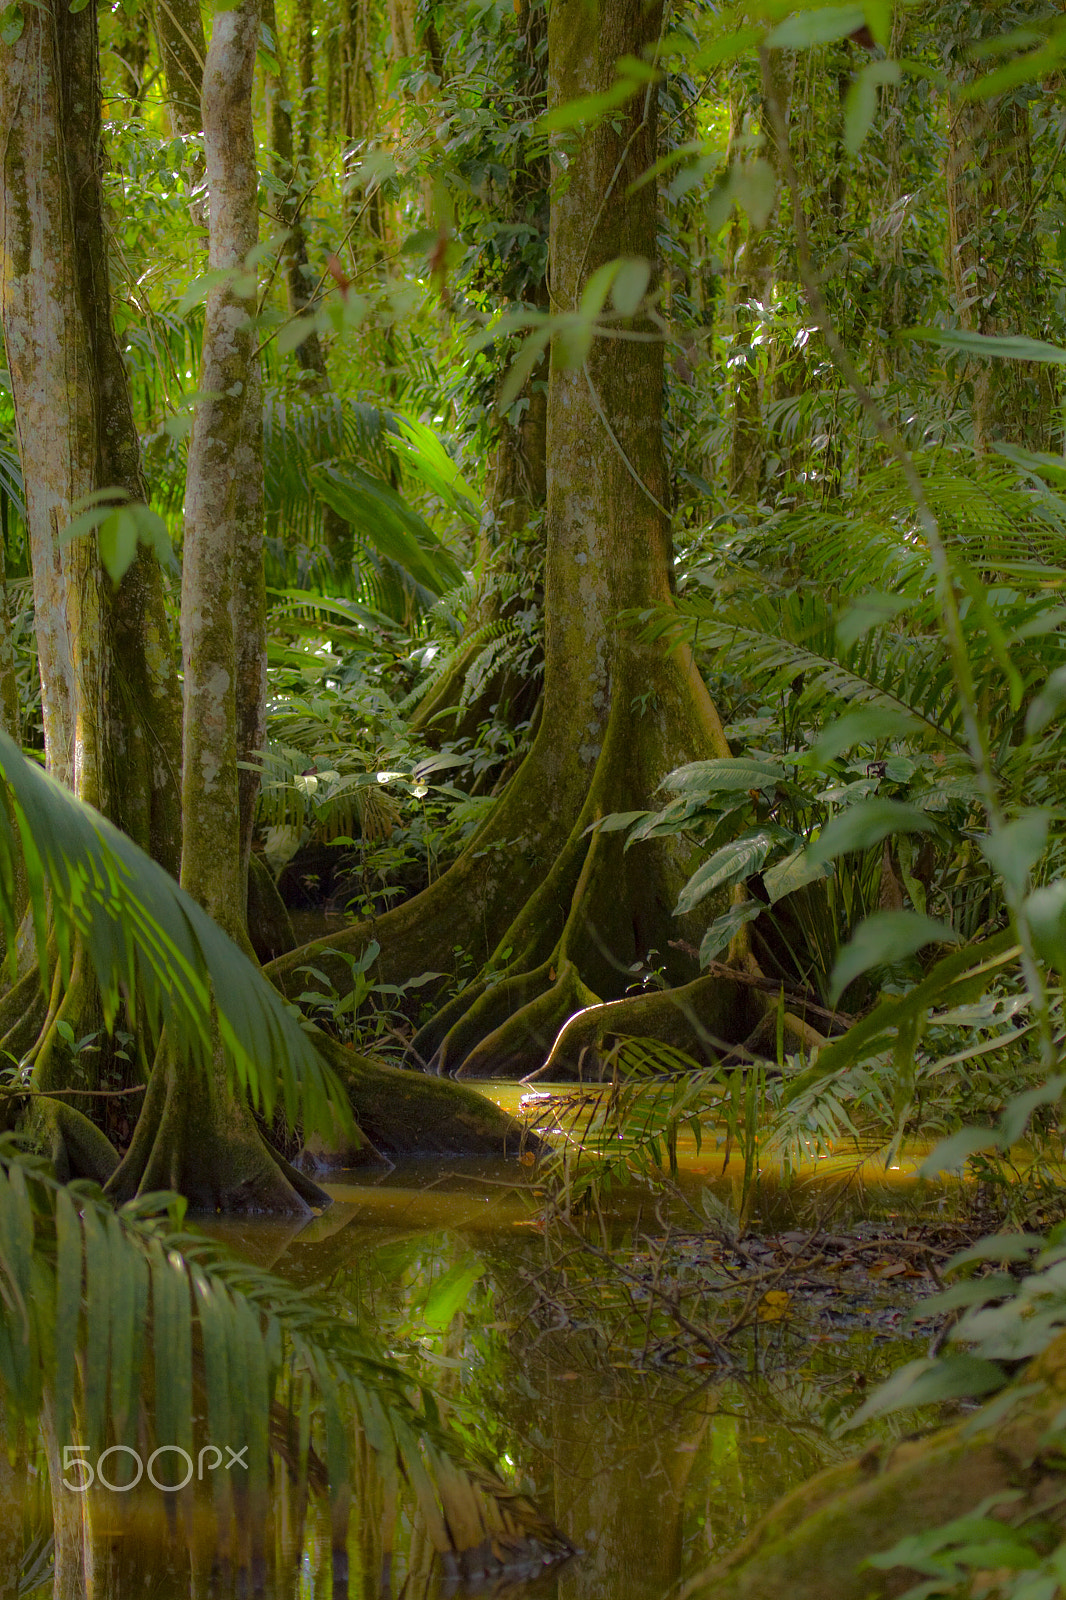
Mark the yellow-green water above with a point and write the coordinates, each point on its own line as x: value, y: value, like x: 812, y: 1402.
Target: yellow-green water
x: 652, y: 1460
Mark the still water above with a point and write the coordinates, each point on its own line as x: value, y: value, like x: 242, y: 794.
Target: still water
x: 651, y: 1455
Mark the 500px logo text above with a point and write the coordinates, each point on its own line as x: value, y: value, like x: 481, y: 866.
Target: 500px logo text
x: 75, y: 1460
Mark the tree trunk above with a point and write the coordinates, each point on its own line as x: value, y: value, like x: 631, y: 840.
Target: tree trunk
x: 195, y: 1134
x: 562, y: 915
x: 994, y: 254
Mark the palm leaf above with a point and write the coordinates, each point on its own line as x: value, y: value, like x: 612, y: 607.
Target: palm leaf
x: 258, y: 1336
x: 151, y: 945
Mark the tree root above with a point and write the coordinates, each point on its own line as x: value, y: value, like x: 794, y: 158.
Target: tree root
x: 194, y: 1135
x: 413, y: 1113
x: 707, y: 1018
x: 813, y: 1542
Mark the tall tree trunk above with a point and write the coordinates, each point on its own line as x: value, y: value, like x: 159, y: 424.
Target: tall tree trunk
x: 195, y: 1134
x: 566, y: 913
x: 994, y: 256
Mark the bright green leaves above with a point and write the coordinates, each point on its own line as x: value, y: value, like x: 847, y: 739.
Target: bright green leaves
x: 733, y: 862
x: 723, y: 930
x: 152, y: 945
x: 860, y: 107
x: 814, y: 25
x: 120, y: 525
x: 990, y: 346
x: 12, y: 22
x: 384, y: 519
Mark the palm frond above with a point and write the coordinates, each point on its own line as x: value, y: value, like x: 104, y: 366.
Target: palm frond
x: 150, y: 944
x: 92, y: 1302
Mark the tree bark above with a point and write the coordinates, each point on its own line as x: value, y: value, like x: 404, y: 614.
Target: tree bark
x: 563, y: 916
x: 993, y: 250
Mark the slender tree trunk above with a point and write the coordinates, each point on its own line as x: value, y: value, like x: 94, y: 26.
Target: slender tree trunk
x: 993, y: 250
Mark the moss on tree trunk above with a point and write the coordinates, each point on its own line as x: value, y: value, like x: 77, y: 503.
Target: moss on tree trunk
x: 814, y: 1542
x: 558, y: 916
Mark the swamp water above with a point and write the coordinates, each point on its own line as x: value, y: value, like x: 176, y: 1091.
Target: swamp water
x: 653, y: 1453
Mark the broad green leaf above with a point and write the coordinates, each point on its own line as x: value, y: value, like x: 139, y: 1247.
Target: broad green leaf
x: 630, y: 285
x: 617, y: 821
x: 385, y: 520
x: 734, y: 861
x: 522, y: 367
x: 594, y: 295
x: 1047, y: 705
x: 860, y: 106
x: 870, y: 610
x: 793, y: 873
x: 723, y: 775
x: 451, y: 1291
x: 990, y: 346
x: 755, y: 189
x: 866, y: 824
x: 883, y: 938
x: 926, y: 1382
x: 1045, y: 910
x: 12, y: 22
x: 722, y: 930
x: 1014, y: 849
x: 952, y: 1153
x: 868, y: 725
x: 816, y: 26
x: 996, y: 1247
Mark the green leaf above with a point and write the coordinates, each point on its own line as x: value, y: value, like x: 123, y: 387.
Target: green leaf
x: 450, y: 1292
x: 990, y: 346
x: 870, y: 610
x: 67, y: 1310
x: 866, y: 824
x: 12, y: 23
x: 723, y: 775
x: 883, y: 938
x: 1046, y: 706
x: 860, y: 106
x: 388, y: 523
x: 736, y: 860
x: 754, y: 188
x: 152, y: 945
x: 952, y: 1153
x: 1014, y: 849
x: 816, y: 26
x: 722, y: 930
x: 794, y: 872
x: 630, y: 285
x: 1045, y: 910
x: 925, y: 1383
x: 868, y: 725
x: 617, y: 821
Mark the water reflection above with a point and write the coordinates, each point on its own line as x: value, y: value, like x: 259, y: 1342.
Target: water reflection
x: 646, y: 1468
